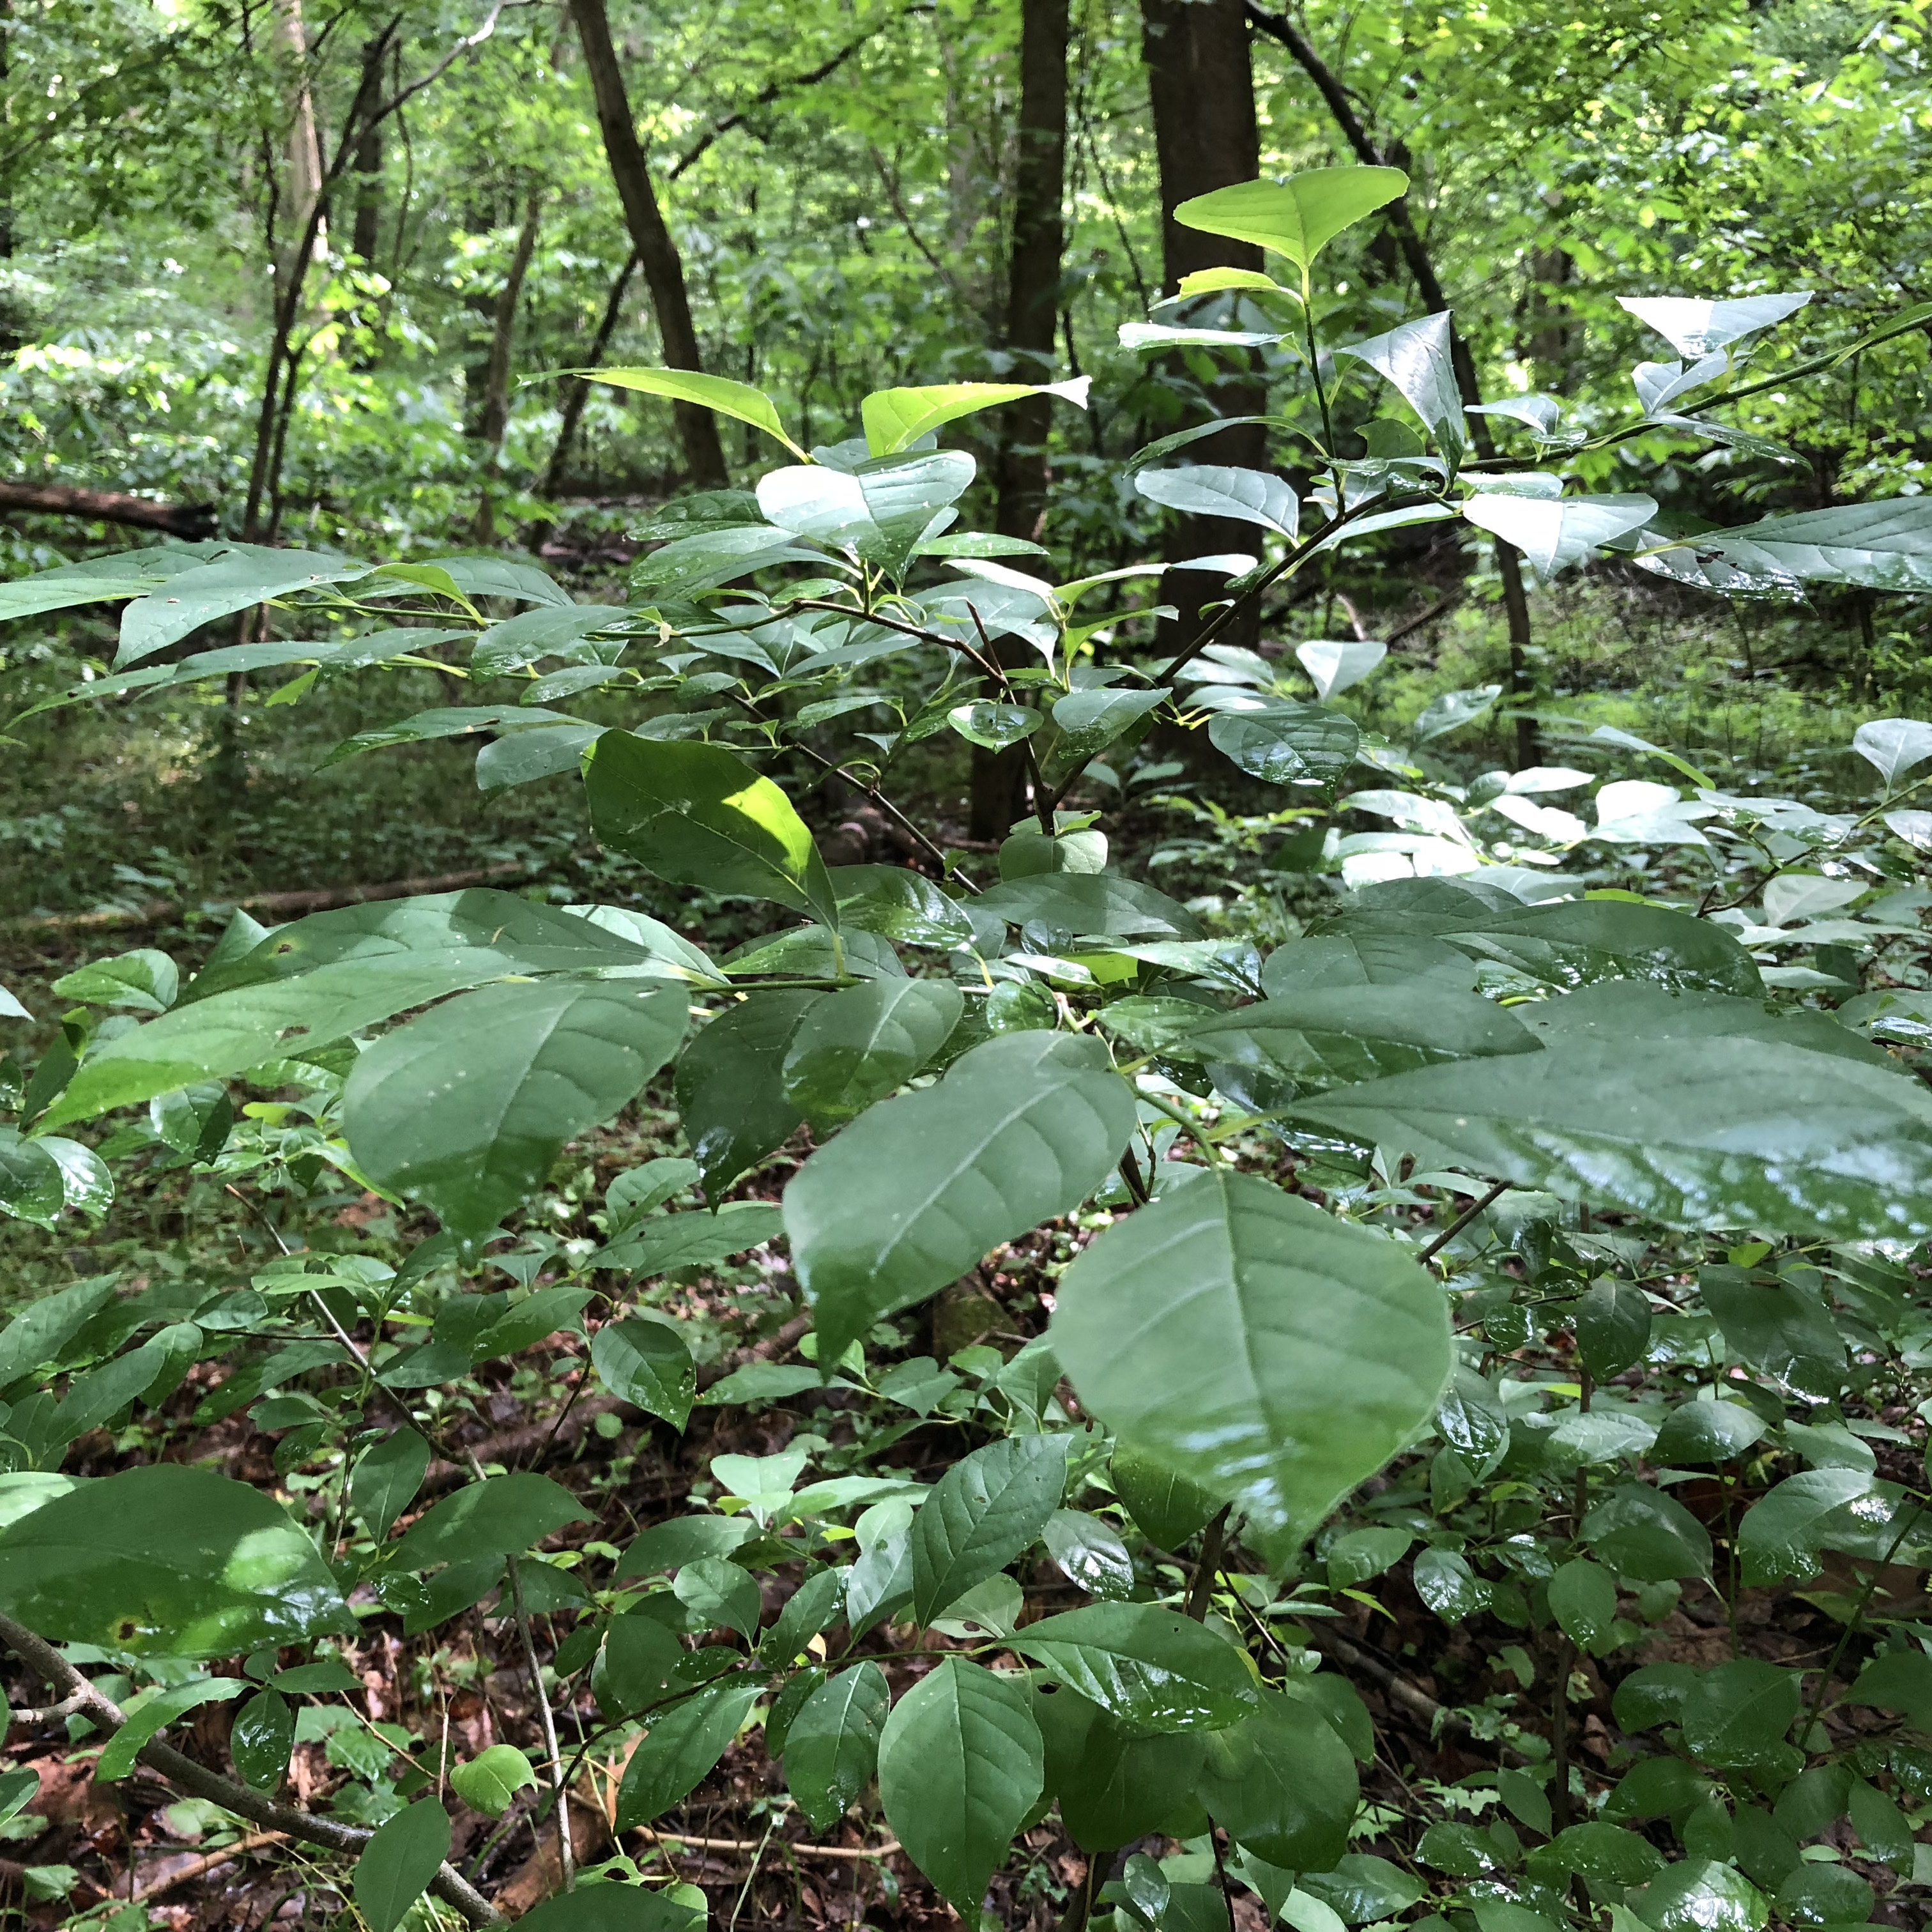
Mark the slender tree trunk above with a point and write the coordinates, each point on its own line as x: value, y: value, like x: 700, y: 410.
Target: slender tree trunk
x: 1032, y: 291
x: 367, y: 238
x: 664, y: 271
x: 304, y: 170
x: 1429, y: 286
x: 496, y: 412
x: 1201, y: 83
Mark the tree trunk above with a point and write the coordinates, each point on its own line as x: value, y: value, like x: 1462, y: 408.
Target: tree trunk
x: 1201, y: 83
x: 305, y: 171
x: 191, y: 520
x: 494, y: 417
x: 366, y: 237
x: 1033, y: 292
x: 664, y: 271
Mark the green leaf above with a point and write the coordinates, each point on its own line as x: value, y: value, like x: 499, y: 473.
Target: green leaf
x: 671, y: 1544
x: 855, y: 1047
x: 1153, y: 1669
x: 1607, y: 1854
x: 994, y: 726
x: 1283, y: 1784
x: 901, y: 905
x: 1089, y: 1552
x: 1415, y: 361
x: 1893, y: 746
x: 1288, y: 744
x: 1897, y: 1680
x: 987, y: 1508
x: 1298, y: 218
x: 1169, y: 1509
x: 467, y: 1108
x: 117, y: 1756
x: 1205, y: 489
x: 387, y: 1478
x: 1706, y: 1432
x: 1453, y: 710
x: 397, y: 1863
x: 618, y: 1908
x: 637, y: 1666
x: 1700, y: 1895
x: 1824, y: 1894
x: 1446, y: 1583
x: 1242, y: 1337
x: 32, y: 1187
x: 501, y: 1517
x: 832, y: 1749
x: 664, y: 1242
x: 679, y: 1750
x: 167, y: 1558
x: 249, y: 575
x: 1086, y: 722
x: 491, y: 1779
x: 719, y: 1596
x: 879, y: 514
x: 1554, y: 533
x: 646, y: 1362
x: 1736, y: 1714
x: 918, y: 1188
x: 1694, y: 327
x: 1648, y: 1536
x: 1069, y: 903
x: 1323, y: 1036
x: 698, y: 815
x: 1583, y: 1600
x: 145, y: 981
x: 895, y: 419
x: 1781, y: 1326
x: 961, y: 1765
x: 1695, y: 1133
x: 739, y: 400
x: 262, y: 1739
x: 1358, y: 1555
x: 729, y: 1091
x: 1783, y: 1532
x: 813, y: 1607
x: 1361, y: 1887
x: 1611, y: 1320
x: 1881, y: 546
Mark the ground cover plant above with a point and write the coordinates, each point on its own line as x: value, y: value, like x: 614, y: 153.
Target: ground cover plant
x: 1547, y: 1244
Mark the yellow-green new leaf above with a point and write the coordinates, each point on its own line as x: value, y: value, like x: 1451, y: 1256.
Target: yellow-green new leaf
x: 738, y: 400
x: 895, y: 419
x: 1298, y: 218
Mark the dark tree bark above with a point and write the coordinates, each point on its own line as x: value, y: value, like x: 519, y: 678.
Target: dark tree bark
x: 663, y: 270
x: 494, y: 417
x: 1033, y: 292
x: 1429, y: 286
x: 366, y: 235
x: 1201, y: 83
x: 192, y: 520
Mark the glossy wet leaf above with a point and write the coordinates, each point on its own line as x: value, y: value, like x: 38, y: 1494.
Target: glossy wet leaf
x: 832, y: 1747
x: 1281, y: 1784
x: 1414, y: 360
x: 1700, y: 1895
x: 697, y: 814
x: 261, y: 1739
x: 1583, y: 1600
x: 678, y: 1750
x: 1151, y: 1668
x: 730, y: 1094
x: 1553, y: 534
x: 1239, y: 1336
x: 855, y: 1047
x: 645, y: 1361
x: 1288, y: 744
x: 1695, y: 1133
x: 1169, y: 1508
x: 988, y: 1507
x: 918, y: 1188
x: 961, y: 1765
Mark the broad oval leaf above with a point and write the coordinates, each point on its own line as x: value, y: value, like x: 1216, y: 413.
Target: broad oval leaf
x: 467, y: 1107
x: 1737, y: 1714
x: 918, y: 1188
x: 1288, y: 744
x: 855, y: 1047
x: 1207, y: 490
x: 397, y: 1864
x: 501, y: 1517
x: 680, y: 1748
x: 1697, y: 1133
x: 1694, y: 326
x: 1152, y: 1668
x: 981, y: 1513
x: 1298, y: 218
x: 832, y: 1747
x: 1415, y: 360
x: 961, y: 1765
x: 729, y: 1089
x: 1554, y: 534
x: 1283, y: 1784
x: 488, y: 1781
x: 1168, y: 1508
x: 644, y: 1361
x: 167, y: 1558
x: 698, y: 815
x: 1242, y: 1337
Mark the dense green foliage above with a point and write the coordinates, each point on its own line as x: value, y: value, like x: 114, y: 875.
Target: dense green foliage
x: 1039, y: 1303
